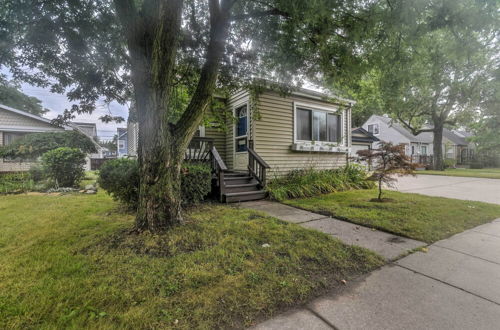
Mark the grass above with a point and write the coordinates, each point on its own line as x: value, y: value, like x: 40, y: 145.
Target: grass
x: 311, y: 182
x: 420, y: 217
x: 68, y: 261
x: 488, y: 173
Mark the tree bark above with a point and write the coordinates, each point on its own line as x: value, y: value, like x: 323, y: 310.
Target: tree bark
x: 380, y: 189
x: 438, y: 163
x: 152, y: 38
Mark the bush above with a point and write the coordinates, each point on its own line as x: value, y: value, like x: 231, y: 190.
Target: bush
x: 311, y: 182
x: 37, y: 173
x: 196, y: 182
x: 450, y: 163
x: 11, y: 183
x: 120, y: 178
x: 64, y: 166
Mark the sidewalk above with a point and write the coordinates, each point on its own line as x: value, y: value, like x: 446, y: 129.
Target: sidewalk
x: 455, y: 285
x: 387, y: 245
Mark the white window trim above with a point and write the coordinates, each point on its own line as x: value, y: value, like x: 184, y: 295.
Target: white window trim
x: 121, y: 144
x: 236, y: 106
x: 326, y: 109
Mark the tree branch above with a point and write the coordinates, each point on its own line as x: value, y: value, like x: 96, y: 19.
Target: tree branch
x: 190, y: 119
x: 257, y: 14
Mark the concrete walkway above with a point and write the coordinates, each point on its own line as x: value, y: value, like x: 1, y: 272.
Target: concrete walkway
x: 454, y: 285
x: 387, y: 245
x: 475, y: 189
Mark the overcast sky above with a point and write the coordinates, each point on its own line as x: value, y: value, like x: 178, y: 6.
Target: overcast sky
x: 58, y: 102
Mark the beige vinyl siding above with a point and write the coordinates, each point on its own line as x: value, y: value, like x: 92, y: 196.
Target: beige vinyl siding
x: 274, y: 136
x: 13, y: 122
x: 235, y: 100
x: 219, y: 137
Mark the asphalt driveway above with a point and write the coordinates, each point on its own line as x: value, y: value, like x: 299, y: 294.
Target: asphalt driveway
x: 475, y: 189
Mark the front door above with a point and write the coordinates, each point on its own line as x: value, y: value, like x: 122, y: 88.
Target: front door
x: 241, y: 138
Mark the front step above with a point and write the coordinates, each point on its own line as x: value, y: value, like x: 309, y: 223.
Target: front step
x: 242, y: 187
x: 244, y: 196
x: 233, y: 180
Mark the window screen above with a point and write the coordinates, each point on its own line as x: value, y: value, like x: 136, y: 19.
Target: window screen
x: 304, y: 124
x: 318, y: 126
x: 334, y: 128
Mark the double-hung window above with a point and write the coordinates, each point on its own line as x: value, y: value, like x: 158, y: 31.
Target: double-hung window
x: 318, y: 125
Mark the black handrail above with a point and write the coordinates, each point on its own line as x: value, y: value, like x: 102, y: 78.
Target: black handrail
x: 257, y: 166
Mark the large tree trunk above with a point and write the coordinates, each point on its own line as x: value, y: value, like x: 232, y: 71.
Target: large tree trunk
x: 438, y: 163
x: 152, y: 37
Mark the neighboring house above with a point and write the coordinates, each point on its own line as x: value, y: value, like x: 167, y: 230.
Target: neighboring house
x: 272, y: 134
x: 455, y: 145
x: 385, y: 129
x: 132, y: 138
x: 90, y: 130
x: 361, y: 140
x: 106, y: 153
x: 14, y: 124
x: 122, y: 142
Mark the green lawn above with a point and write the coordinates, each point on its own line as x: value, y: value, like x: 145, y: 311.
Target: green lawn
x: 416, y: 216
x: 489, y: 173
x: 69, y: 262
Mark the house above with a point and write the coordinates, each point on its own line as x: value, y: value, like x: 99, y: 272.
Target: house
x: 122, y: 142
x: 388, y: 130
x: 15, y: 124
x: 420, y: 147
x: 270, y: 134
x: 90, y: 130
x: 361, y: 140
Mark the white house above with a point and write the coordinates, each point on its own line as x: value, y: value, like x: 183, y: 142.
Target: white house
x: 385, y: 129
x: 455, y: 145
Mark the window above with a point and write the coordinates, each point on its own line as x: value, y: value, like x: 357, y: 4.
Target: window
x: 121, y: 144
x: 317, y: 125
x: 241, y: 128
x: 424, y: 150
x: 373, y: 128
x: 412, y: 150
x: 9, y: 138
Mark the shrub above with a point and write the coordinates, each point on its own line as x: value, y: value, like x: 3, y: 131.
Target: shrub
x: 37, y: 173
x: 15, y: 183
x: 450, y: 163
x: 196, y: 182
x: 64, y: 166
x: 120, y: 178
x: 311, y: 182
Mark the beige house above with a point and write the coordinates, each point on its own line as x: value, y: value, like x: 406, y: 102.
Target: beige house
x: 15, y: 124
x: 271, y: 134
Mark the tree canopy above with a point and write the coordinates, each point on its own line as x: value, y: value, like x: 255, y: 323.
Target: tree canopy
x: 12, y: 96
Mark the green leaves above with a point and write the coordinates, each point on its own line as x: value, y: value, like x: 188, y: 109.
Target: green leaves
x: 36, y: 144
